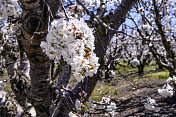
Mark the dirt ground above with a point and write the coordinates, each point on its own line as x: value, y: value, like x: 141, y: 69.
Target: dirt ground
x: 130, y: 102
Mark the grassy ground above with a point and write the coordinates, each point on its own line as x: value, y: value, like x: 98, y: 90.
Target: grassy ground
x: 159, y: 75
x: 104, y: 89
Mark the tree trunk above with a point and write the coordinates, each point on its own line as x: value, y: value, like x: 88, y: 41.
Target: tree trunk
x: 35, y: 17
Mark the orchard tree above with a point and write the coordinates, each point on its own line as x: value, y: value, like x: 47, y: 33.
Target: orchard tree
x: 130, y: 49
x: 156, y: 27
x: 44, y: 41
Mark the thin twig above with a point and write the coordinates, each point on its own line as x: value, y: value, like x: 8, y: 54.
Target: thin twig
x: 126, y: 79
x: 58, y: 104
x: 99, y: 20
x: 50, y: 14
x: 63, y: 8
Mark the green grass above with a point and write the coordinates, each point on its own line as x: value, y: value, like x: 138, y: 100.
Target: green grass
x: 150, y: 67
x: 111, y: 89
x: 97, y: 96
x: 5, y: 72
x: 159, y: 75
x: 106, y: 90
x: 8, y: 88
x: 128, y: 69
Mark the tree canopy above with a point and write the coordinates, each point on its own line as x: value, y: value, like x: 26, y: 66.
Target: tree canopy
x: 44, y: 42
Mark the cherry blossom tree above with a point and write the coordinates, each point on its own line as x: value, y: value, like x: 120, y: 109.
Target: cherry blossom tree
x: 158, y: 30
x: 156, y: 27
x: 132, y: 50
x: 44, y: 41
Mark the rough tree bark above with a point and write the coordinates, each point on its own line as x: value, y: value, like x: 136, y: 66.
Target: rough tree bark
x: 36, y: 15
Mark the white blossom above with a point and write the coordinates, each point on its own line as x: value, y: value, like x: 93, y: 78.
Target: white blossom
x: 20, y: 111
x: 105, y: 100
x: 78, y: 105
x: 9, y: 8
x: 113, y: 113
x: 32, y: 112
x: 71, y: 114
x: 150, y: 104
x: 74, y: 40
x: 135, y: 62
x: 113, y: 105
x: 10, y: 32
x: 111, y: 73
x: 108, y: 108
x: 3, y: 96
x: 167, y: 91
x: 171, y: 80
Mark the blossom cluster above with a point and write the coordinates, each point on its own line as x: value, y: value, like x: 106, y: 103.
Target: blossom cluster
x: 135, y: 62
x: 111, y: 105
x: 105, y: 104
x: 9, y: 8
x: 10, y: 32
x: 168, y: 90
x: 74, y: 40
x: 151, y: 104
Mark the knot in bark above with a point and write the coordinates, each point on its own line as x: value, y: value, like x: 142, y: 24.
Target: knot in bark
x: 34, y: 24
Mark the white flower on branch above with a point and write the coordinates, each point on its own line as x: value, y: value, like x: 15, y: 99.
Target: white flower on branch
x: 2, y: 97
x: 150, y: 104
x: 71, y: 114
x: 105, y: 100
x: 78, y: 105
x: 74, y: 40
x: 108, y: 108
x: 113, y: 113
x: 167, y: 91
x: 32, y: 112
x: 9, y: 8
x: 10, y: 32
x: 135, y: 62
x: 113, y: 105
x: 171, y: 80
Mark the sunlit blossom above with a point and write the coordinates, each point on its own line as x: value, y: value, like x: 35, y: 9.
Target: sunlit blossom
x: 74, y: 41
